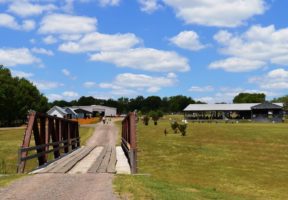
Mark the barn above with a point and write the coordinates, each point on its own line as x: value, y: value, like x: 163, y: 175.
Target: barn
x: 258, y: 112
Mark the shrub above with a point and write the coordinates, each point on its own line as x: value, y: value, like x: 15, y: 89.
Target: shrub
x: 182, y: 128
x: 146, y: 120
x: 155, y: 116
x: 174, y: 126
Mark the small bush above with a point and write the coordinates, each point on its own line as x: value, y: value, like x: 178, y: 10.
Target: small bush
x: 146, y: 120
x: 155, y: 116
x: 174, y: 126
x: 182, y: 128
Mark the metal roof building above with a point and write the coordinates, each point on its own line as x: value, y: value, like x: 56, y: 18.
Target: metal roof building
x: 261, y: 112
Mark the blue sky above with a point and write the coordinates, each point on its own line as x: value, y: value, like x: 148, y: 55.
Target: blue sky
x: 209, y: 50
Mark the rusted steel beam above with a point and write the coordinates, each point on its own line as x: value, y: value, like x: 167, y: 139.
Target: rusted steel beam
x: 52, y: 132
x: 26, y: 140
x: 38, y: 141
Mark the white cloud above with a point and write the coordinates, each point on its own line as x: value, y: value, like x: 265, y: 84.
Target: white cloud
x: 67, y: 73
x: 145, y: 59
x: 140, y: 82
x: 109, y: 2
x: 28, y: 25
x: 70, y: 94
x: 149, y: 6
x: 25, y: 8
x: 208, y: 88
x: 50, y: 40
x: 235, y: 64
x: 223, y: 13
x: 21, y: 74
x: 42, y: 51
x: 188, y: 40
x: 90, y: 84
x: 256, y: 48
x: 54, y: 97
x: 101, y: 42
x: 274, y: 80
x: 13, y: 57
x: 67, y: 24
x: 8, y: 21
x: 69, y: 6
x: 47, y: 85
x: 227, y: 94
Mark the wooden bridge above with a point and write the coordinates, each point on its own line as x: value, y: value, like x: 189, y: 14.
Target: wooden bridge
x: 69, y: 157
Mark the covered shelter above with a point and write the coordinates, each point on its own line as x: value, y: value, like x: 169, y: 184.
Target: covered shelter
x: 238, y: 111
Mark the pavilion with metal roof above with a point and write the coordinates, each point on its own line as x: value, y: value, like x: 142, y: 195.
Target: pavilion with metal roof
x: 265, y: 111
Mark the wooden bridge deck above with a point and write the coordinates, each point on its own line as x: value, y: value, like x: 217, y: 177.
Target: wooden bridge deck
x: 105, y: 162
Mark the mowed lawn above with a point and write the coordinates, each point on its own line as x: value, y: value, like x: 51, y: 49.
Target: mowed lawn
x: 214, y: 161
x: 10, y: 141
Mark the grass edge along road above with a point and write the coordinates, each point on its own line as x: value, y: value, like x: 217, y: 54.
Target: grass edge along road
x: 214, y: 161
x: 10, y: 140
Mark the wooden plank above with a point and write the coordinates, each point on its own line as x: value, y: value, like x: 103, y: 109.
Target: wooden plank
x: 64, y: 159
x: 104, y: 164
x: 69, y: 165
x: 96, y: 165
x: 112, y: 162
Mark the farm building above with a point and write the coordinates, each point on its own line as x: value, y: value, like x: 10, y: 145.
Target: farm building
x: 259, y: 112
x: 82, y: 111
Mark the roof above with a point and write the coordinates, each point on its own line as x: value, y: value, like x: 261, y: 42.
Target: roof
x: 59, y: 109
x: 70, y: 111
x: 81, y: 110
x: 267, y: 106
x: 224, y: 107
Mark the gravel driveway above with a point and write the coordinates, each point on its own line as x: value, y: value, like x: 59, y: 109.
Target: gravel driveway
x: 68, y: 186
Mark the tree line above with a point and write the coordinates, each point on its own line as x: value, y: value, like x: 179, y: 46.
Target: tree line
x: 173, y: 104
x: 17, y: 96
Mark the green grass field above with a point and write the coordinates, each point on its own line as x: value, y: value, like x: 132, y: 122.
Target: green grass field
x: 10, y: 140
x: 214, y: 161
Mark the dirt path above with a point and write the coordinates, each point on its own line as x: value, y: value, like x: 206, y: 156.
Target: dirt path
x: 68, y: 186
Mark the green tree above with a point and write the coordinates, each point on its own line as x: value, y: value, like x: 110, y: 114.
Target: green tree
x: 155, y: 116
x: 182, y: 128
x: 249, y: 98
x: 17, y: 96
x: 174, y: 126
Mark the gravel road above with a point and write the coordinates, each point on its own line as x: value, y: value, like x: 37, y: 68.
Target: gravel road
x: 68, y: 186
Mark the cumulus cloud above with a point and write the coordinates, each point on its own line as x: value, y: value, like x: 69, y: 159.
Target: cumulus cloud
x: 67, y: 24
x: 188, y: 40
x: 149, y: 6
x: 226, y: 94
x: 147, y: 59
x: 42, y: 51
x: 208, y: 88
x: 9, y: 21
x: 141, y: 82
x: 21, y: 74
x: 221, y: 13
x: 101, y: 42
x: 90, y: 84
x: 274, y: 80
x: 67, y: 73
x: 109, y: 2
x: 70, y: 94
x: 21, y: 56
x: 235, y: 64
x: 47, y: 85
x: 25, y: 8
x: 256, y: 48
x: 50, y: 40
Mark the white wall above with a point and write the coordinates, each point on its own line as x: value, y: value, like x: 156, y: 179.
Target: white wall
x: 110, y: 112
x: 58, y: 114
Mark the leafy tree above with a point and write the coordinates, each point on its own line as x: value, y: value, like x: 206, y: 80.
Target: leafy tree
x: 155, y: 116
x: 249, y: 98
x: 283, y: 99
x: 182, y: 128
x: 174, y: 126
x: 17, y: 96
x: 152, y: 103
x: 146, y: 120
